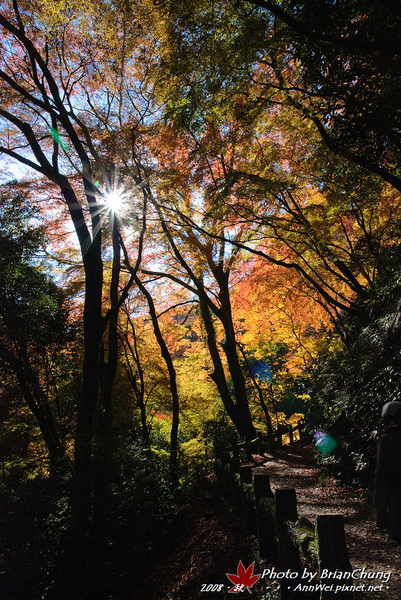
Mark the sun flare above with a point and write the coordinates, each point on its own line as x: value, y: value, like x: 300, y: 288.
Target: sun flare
x: 114, y: 200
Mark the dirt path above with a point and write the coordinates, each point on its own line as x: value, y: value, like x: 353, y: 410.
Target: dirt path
x: 368, y: 546
x: 208, y: 539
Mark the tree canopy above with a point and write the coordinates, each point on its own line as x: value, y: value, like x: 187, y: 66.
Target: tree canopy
x: 200, y: 241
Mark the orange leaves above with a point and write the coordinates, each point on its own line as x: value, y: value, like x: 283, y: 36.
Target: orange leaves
x: 273, y: 306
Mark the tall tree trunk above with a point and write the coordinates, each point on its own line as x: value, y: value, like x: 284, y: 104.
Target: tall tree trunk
x: 230, y: 349
x: 79, y: 559
x: 238, y: 411
x: 107, y: 372
x: 93, y: 333
x: 93, y: 321
x: 173, y: 383
x: 243, y: 426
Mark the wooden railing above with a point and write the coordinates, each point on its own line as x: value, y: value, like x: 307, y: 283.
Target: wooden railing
x: 283, y: 540
x: 261, y: 444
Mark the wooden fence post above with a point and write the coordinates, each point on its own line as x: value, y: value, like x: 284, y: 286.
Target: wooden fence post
x: 261, y: 485
x: 302, y: 429
x: 235, y: 464
x: 247, y: 497
x: 286, y: 505
x: 261, y: 445
x: 265, y: 514
x: 245, y: 474
x: 333, y: 553
x: 235, y: 484
x: 288, y: 551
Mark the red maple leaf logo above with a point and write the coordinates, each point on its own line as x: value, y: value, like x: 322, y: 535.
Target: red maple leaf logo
x: 244, y: 579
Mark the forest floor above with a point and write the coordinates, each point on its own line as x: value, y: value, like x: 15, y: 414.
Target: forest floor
x: 208, y: 539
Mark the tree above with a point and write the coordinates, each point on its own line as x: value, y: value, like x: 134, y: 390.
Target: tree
x: 337, y: 63
x: 33, y: 315
x: 135, y: 372
x: 302, y: 78
x: 62, y: 117
x: 194, y: 257
x: 336, y: 66
x: 171, y: 373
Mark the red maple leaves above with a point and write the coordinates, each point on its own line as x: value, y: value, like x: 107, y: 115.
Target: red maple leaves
x: 244, y: 579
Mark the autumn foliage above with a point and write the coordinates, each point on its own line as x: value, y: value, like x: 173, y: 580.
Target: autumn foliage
x: 200, y: 241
